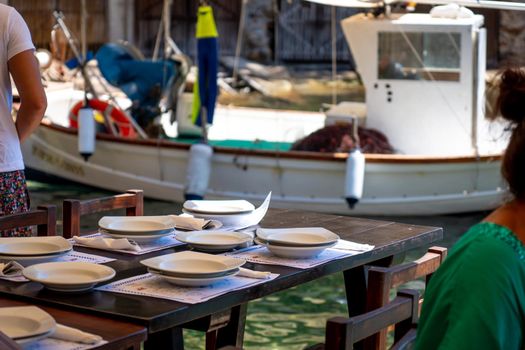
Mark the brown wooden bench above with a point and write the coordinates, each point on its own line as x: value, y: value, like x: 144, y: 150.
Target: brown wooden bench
x: 74, y: 209
x: 44, y: 218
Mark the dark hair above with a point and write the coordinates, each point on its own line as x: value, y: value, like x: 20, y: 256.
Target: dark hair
x: 511, y: 104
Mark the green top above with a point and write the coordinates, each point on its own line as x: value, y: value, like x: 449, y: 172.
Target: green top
x: 476, y: 299
x: 205, y: 23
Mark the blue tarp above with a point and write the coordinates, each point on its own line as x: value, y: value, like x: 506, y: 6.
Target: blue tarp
x: 142, y: 81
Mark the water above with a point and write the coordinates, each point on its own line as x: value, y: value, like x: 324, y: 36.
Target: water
x: 287, y: 320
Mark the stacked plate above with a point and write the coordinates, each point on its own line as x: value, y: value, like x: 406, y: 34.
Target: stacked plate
x: 214, y: 241
x: 192, y: 269
x: 26, y: 324
x: 33, y: 250
x: 297, y: 243
x: 69, y: 276
x: 229, y: 212
x: 137, y: 228
x: 218, y: 207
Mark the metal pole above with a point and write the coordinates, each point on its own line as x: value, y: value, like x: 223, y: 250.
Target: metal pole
x: 167, y: 25
x: 83, y: 34
x: 334, y: 55
x: 204, y: 123
x: 240, y: 35
x: 157, y: 40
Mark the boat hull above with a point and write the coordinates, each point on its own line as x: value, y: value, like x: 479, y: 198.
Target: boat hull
x: 394, y: 185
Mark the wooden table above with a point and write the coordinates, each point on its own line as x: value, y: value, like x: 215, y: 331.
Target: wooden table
x: 163, y: 318
x: 118, y: 334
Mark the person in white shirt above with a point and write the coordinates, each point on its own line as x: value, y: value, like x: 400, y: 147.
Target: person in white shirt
x: 17, y: 59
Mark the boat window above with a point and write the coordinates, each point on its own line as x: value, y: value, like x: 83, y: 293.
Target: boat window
x: 419, y: 56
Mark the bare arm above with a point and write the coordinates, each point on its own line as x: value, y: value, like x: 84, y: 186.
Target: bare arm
x: 33, y: 103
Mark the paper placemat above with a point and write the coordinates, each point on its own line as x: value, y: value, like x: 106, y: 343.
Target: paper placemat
x: 148, y: 247
x: 154, y: 286
x: 84, y: 257
x: 57, y: 344
x: 260, y: 255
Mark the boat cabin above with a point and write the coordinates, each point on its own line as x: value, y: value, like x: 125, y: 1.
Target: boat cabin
x: 424, y: 80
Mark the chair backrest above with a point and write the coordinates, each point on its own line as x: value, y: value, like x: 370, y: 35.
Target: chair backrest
x: 44, y: 218
x: 73, y: 209
x: 382, y: 279
x: 403, y: 312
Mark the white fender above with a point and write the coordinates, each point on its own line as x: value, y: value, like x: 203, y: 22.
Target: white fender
x: 86, y: 132
x: 354, y: 177
x: 198, y: 171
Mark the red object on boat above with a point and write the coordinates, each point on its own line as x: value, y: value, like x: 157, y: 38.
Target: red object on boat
x: 337, y: 138
x: 118, y: 117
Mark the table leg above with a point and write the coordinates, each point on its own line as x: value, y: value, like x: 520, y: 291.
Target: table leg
x: 356, y: 288
x: 233, y: 333
x: 169, y: 339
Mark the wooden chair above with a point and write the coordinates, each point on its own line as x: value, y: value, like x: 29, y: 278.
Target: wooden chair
x: 73, y: 209
x: 44, y: 218
x: 382, y: 279
x: 403, y: 312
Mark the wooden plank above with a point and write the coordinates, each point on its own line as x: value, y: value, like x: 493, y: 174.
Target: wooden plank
x: 184, y: 19
x: 39, y: 17
x: 312, y: 24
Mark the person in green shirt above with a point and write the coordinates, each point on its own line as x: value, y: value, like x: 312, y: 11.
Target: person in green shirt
x: 476, y: 299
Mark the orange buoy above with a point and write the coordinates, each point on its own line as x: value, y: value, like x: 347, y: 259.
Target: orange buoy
x: 118, y: 117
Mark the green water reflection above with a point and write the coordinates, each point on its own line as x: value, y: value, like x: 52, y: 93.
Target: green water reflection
x: 287, y: 320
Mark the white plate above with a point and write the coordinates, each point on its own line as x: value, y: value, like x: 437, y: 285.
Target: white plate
x: 214, y: 240
x: 137, y: 233
x: 31, y: 260
x: 302, y: 236
x: 68, y: 276
x: 193, y: 282
x: 190, y: 263
x: 29, y: 340
x: 25, y: 322
x: 32, y: 246
x: 218, y: 206
x: 295, y: 252
x: 138, y: 238
x: 225, y: 219
x: 193, y: 275
x: 136, y: 224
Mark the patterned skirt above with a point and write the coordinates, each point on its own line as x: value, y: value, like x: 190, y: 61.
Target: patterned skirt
x: 14, y: 199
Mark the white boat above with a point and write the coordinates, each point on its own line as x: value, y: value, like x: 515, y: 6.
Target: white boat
x: 449, y: 159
